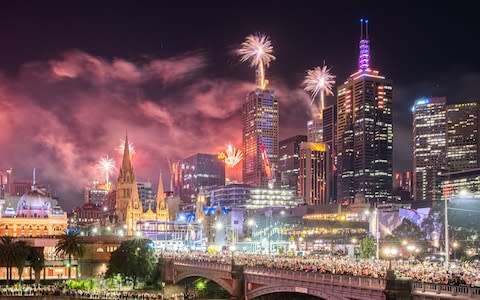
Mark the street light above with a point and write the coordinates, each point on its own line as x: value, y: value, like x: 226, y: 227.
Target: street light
x: 390, y: 252
x: 455, y: 246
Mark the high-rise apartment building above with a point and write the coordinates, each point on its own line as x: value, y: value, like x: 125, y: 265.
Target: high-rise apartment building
x: 463, y: 140
x: 429, y: 139
x: 364, y: 140
x: 200, y: 171
x: 314, y: 173
x: 260, y: 119
x: 289, y: 167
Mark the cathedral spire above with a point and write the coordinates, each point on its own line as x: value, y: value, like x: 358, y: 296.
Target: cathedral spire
x: 126, y: 162
x: 160, y: 195
x: 364, y: 54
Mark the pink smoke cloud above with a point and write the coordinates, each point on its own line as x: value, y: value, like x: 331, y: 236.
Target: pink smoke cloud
x: 62, y: 115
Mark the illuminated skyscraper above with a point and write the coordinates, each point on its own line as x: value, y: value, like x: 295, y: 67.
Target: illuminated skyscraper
x: 364, y: 132
x: 329, y: 139
x: 260, y: 120
x: 200, y: 171
x: 290, y: 161
x: 429, y: 116
x: 315, y: 129
x: 314, y: 173
x: 463, y: 142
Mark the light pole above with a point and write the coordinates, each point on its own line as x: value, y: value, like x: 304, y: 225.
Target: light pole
x: 447, y: 247
x: 455, y: 246
x: 390, y: 252
x: 377, y: 234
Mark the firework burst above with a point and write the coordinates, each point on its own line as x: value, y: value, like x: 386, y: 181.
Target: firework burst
x: 258, y: 50
x: 106, y: 165
x: 232, y: 156
x: 319, y: 80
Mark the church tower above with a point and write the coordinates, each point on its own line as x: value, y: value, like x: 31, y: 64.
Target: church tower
x: 128, y: 207
x: 161, y: 204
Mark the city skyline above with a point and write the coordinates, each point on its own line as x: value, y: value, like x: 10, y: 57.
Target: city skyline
x: 63, y: 109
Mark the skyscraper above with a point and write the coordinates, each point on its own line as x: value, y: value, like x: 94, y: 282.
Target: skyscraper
x: 329, y: 139
x: 429, y: 126
x: 200, y: 171
x: 463, y: 141
x: 364, y: 132
x: 315, y: 129
x: 290, y: 161
x: 145, y: 192
x: 314, y: 171
x: 260, y: 120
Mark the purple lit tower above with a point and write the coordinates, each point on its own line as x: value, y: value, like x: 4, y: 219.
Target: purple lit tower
x: 364, y: 140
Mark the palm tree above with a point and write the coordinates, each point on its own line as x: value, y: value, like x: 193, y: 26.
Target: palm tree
x: 37, y: 262
x: 20, y: 255
x: 7, y: 255
x: 70, y: 246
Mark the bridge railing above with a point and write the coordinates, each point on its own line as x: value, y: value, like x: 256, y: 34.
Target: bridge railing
x: 204, y: 264
x: 315, y: 277
x: 333, y: 279
x: 472, y: 292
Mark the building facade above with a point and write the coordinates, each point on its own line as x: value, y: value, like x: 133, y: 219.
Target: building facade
x: 260, y: 119
x: 200, y: 171
x: 95, y: 193
x: 315, y: 129
x: 329, y: 139
x: 364, y: 133
x: 314, y: 173
x: 289, y: 161
x: 463, y: 141
x: 147, y: 197
x: 461, y: 184
x: 429, y: 147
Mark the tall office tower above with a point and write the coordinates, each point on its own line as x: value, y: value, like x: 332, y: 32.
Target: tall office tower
x: 364, y: 132
x: 289, y: 167
x: 260, y: 120
x: 463, y: 141
x: 329, y: 139
x: 315, y: 129
x: 429, y: 126
x: 200, y: 171
x: 314, y: 173
x: 145, y: 192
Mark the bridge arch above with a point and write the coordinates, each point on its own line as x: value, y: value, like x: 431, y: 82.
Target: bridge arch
x: 221, y: 282
x: 322, y: 294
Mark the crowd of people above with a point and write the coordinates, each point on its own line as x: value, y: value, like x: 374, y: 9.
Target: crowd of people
x: 26, y: 290
x: 458, y: 274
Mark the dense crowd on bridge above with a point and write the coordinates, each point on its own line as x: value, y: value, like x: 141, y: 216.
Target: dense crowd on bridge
x: 459, y: 274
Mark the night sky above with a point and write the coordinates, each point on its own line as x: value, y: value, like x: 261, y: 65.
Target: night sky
x: 75, y: 77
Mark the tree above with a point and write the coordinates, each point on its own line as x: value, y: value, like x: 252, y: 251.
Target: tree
x: 37, y: 262
x: 20, y: 255
x: 70, y: 246
x: 7, y: 255
x: 133, y: 259
x: 367, y: 248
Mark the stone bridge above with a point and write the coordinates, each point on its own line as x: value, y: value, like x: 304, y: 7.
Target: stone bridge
x: 247, y: 283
